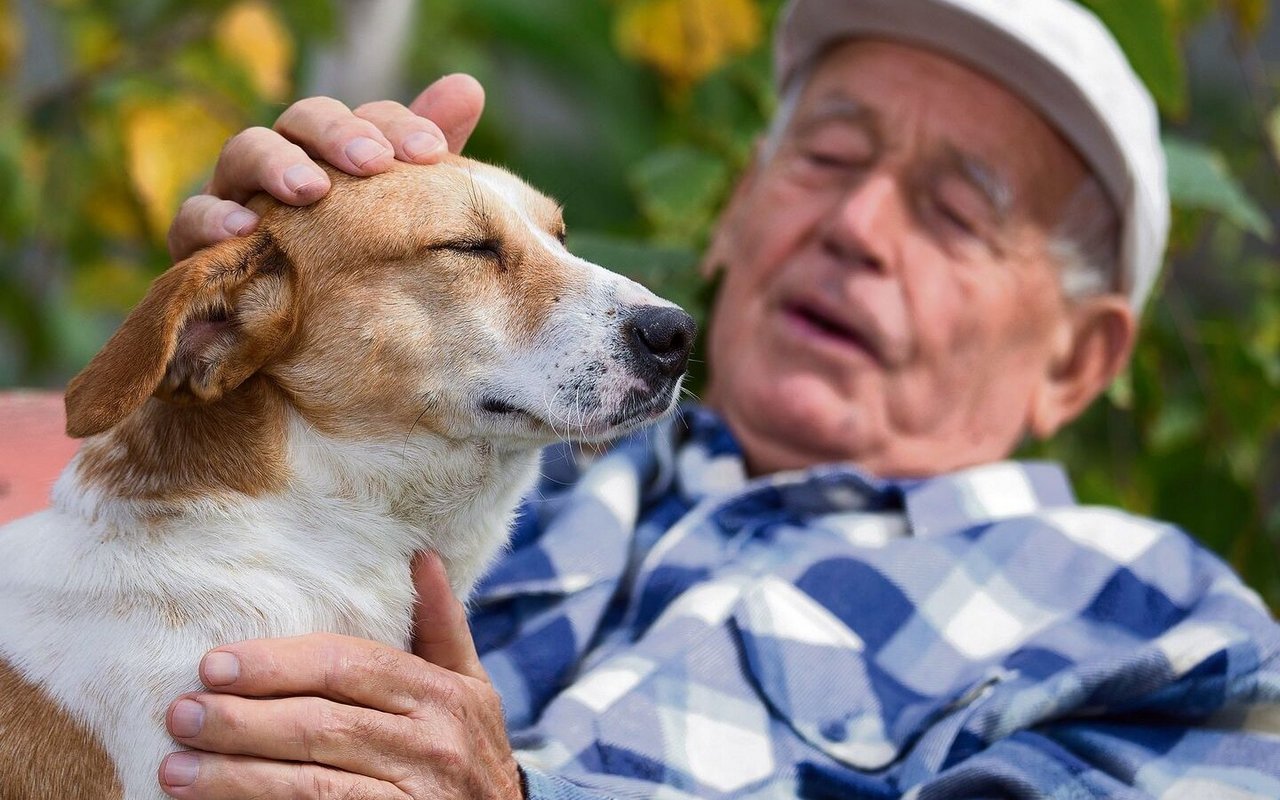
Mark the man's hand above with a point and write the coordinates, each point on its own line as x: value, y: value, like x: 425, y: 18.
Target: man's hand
x: 365, y: 141
x: 326, y: 716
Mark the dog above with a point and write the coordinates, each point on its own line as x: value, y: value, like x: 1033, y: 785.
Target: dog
x: 280, y: 424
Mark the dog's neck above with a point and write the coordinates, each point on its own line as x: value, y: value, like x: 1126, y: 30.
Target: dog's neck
x: 254, y: 457
x: 164, y: 456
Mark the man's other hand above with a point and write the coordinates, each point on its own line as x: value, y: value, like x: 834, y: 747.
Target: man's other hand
x: 363, y: 141
x: 325, y: 716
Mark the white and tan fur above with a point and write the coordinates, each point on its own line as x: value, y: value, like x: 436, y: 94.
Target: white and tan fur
x: 276, y: 429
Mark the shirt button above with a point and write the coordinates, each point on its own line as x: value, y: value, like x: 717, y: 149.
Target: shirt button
x: 834, y: 730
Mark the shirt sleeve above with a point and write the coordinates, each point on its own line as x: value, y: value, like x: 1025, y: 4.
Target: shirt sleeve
x: 541, y: 785
x: 1115, y: 759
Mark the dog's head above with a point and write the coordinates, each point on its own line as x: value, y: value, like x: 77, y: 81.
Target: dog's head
x: 435, y: 300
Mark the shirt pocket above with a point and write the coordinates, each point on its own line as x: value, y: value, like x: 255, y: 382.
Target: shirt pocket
x: 815, y: 674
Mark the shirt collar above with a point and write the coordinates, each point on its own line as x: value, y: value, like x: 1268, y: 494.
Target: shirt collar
x: 710, y: 462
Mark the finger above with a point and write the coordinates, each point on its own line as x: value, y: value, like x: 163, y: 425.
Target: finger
x: 306, y: 729
x: 203, y: 220
x: 209, y: 776
x: 454, y: 103
x: 441, y: 634
x: 341, y: 668
x: 415, y: 138
x: 328, y: 129
x: 259, y: 159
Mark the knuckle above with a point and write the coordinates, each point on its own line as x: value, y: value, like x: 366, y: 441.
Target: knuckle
x: 309, y: 107
x: 224, y: 719
x: 321, y: 729
x: 247, y: 139
x: 380, y: 108
x: 220, y: 209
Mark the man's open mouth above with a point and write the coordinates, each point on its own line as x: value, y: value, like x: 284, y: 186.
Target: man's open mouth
x: 816, y: 322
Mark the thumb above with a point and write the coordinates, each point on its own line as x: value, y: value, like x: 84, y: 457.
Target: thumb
x: 440, y: 631
x: 454, y: 103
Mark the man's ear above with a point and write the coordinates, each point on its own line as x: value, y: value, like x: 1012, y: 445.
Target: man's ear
x: 1093, y: 347
x: 205, y: 325
x: 717, y: 253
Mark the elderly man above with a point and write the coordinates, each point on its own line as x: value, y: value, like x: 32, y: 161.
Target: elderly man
x: 826, y: 582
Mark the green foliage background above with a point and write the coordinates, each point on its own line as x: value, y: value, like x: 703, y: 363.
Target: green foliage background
x: 641, y: 144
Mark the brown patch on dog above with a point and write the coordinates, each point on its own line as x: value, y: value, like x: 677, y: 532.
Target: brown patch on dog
x: 168, y: 454
x: 205, y: 325
x: 44, y: 752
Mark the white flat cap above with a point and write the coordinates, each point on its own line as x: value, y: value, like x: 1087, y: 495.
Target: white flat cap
x: 1059, y: 58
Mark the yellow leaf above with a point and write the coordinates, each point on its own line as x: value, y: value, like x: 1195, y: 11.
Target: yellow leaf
x: 10, y: 36
x: 169, y: 144
x: 1273, y: 131
x: 1250, y: 15
x: 685, y: 40
x: 109, y: 209
x: 251, y: 34
x: 95, y: 42
x: 110, y: 284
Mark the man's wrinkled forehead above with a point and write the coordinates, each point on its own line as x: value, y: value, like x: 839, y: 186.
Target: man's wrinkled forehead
x: 916, y: 97
x: 836, y: 106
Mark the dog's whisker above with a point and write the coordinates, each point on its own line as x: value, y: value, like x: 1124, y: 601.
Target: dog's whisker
x: 405, y: 447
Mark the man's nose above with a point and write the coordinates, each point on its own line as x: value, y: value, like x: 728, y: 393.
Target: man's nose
x: 659, y: 339
x: 865, y: 219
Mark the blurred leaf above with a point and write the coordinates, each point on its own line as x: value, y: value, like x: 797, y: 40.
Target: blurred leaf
x: 679, y: 189
x: 95, y: 42
x: 1178, y: 424
x: 1199, y: 178
x: 1120, y: 392
x: 10, y: 36
x: 1250, y: 15
x: 307, y: 18
x: 250, y: 34
x: 1264, y: 345
x: 685, y: 40
x: 1145, y: 30
x: 109, y: 210
x: 1273, y: 132
x: 169, y: 144
x: 1184, y: 14
x: 111, y: 285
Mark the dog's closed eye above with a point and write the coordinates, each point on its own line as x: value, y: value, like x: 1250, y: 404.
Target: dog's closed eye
x: 486, y: 248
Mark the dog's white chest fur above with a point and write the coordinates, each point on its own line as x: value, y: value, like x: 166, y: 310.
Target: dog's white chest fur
x: 112, y: 618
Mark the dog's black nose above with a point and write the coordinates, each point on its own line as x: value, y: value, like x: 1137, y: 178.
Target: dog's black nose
x: 660, y: 338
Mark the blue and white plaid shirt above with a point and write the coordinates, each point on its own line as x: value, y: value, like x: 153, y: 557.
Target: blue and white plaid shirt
x: 664, y: 627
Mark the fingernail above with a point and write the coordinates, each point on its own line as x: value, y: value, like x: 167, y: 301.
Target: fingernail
x: 187, y: 719
x: 362, y: 150
x: 421, y: 144
x: 302, y: 176
x: 219, y: 669
x: 181, y: 769
x: 239, y: 222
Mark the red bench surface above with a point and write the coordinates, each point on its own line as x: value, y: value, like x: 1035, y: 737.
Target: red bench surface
x: 34, y: 447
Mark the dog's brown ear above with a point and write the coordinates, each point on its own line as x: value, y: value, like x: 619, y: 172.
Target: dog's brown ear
x: 206, y: 325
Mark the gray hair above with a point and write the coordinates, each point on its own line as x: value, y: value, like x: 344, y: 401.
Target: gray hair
x: 1085, y: 243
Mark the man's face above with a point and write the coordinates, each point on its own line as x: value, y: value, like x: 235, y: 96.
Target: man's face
x: 889, y: 296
